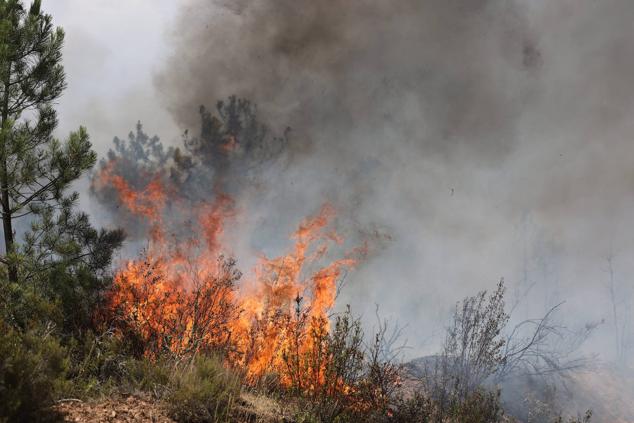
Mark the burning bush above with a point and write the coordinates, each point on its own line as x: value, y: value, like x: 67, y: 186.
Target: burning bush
x: 162, y: 316
x: 180, y: 299
x: 335, y: 372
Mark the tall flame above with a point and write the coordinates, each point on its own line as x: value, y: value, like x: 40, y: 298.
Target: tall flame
x: 182, y: 296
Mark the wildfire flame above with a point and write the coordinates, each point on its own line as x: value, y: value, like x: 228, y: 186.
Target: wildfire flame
x: 183, y: 296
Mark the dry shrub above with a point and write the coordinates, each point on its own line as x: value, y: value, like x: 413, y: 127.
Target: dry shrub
x: 479, y: 407
x: 582, y: 419
x: 159, y: 317
x: 335, y: 375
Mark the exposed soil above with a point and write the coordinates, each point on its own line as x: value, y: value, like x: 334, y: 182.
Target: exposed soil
x: 122, y: 409
x: 113, y: 410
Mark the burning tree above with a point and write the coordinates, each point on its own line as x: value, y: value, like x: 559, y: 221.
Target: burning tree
x: 233, y: 139
x: 225, y: 154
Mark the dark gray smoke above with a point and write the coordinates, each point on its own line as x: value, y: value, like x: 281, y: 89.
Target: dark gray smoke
x: 474, y: 138
x: 440, y: 75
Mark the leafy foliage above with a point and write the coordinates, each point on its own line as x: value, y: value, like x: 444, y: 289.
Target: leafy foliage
x: 36, y: 169
x: 33, y: 367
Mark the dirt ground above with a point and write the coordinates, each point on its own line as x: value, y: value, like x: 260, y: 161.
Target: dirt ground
x: 113, y: 410
x: 133, y: 408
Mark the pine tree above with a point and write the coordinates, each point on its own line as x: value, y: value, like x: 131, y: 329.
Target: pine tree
x: 36, y: 169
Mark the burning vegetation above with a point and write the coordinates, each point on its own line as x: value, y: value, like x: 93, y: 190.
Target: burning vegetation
x: 183, y: 297
x: 175, y: 322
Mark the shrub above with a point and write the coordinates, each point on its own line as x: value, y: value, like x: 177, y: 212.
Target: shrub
x: 23, y: 307
x: 77, y: 294
x: 479, y: 407
x: 33, y: 367
x: 99, y: 364
x: 202, y: 391
x: 472, y: 351
x: 147, y: 376
x: 157, y: 315
x: 324, y: 367
x: 337, y: 377
x: 584, y: 419
x: 417, y: 408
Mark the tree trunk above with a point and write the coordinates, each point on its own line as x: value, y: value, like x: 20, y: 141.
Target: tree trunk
x: 8, y: 230
x: 7, y: 223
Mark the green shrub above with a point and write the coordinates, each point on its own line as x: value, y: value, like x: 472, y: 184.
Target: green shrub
x: 148, y: 376
x: 24, y: 307
x: 33, y: 367
x: 203, y: 391
x: 77, y: 294
x: 98, y: 364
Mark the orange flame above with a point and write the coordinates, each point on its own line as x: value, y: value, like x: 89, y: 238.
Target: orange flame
x: 149, y: 203
x: 281, y: 287
x: 181, y: 298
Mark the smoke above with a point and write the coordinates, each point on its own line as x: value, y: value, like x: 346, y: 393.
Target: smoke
x: 441, y: 75
x: 472, y: 139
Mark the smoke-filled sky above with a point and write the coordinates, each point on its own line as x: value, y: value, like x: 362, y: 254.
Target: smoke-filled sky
x: 480, y: 138
x: 112, y: 50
